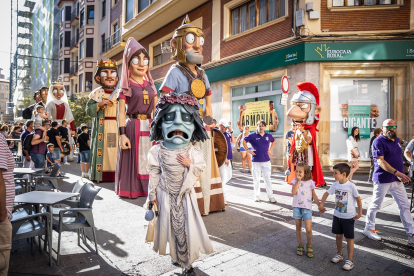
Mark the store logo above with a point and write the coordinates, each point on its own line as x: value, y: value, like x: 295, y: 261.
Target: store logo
x: 410, y: 53
x: 290, y: 57
x: 324, y: 51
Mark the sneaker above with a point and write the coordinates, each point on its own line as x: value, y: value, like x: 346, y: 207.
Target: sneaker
x: 190, y: 272
x: 66, y: 163
x: 272, y: 200
x: 411, y: 240
x: 371, y: 234
x: 348, y: 265
x: 256, y: 198
x: 338, y: 258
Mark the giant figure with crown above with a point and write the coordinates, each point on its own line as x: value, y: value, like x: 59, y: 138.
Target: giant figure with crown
x: 187, y: 78
x: 305, y: 112
x: 102, y: 106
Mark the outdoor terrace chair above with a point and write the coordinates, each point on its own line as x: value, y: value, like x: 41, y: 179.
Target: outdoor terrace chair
x: 29, y: 227
x: 52, y: 178
x: 21, y: 185
x: 77, y: 218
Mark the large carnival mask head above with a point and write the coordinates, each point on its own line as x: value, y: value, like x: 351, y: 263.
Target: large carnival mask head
x: 107, y: 74
x: 58, y: 91
x: 177, y: 122
x: 305, y: 104
x: 187, y: 43
x: 138, y: 64
x: 44, y: 91
x: 37, y: 97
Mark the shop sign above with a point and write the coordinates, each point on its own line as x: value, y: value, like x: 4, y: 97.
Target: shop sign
x: 256, y: 111
x: 359, y: 115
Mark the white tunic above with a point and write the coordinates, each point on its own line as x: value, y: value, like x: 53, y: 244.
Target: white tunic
x: 198, y: 240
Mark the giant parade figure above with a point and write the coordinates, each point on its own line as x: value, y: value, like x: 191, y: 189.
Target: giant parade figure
x: 187, y: 78
x: 136, y: 100
x: 40, y: 97
x: 102, y: 106
x: 174, y: 166
x: 305, y: 112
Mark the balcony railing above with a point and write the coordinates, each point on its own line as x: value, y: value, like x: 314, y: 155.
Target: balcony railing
x: 75, y: 13
x: 111, y: 41
x: 74, y: 41
x: 74, y: 69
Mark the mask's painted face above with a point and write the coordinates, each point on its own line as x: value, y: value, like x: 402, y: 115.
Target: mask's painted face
x: 37, y: 97
x: 43, y: 93
x: 139, y: 65
x: 108, y: 78
x: 58, y: 92
x: 177, y: 127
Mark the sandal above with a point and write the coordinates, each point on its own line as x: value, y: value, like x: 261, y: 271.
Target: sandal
x: 309, y: 251
x: 299, y: 251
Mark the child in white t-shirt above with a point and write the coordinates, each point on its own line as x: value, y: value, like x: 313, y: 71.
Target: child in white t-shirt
x: 346, y: 194
x: 303, y: 190
x: 40, y: 115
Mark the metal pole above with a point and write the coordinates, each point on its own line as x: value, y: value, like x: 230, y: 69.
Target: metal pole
x: 11, y: 50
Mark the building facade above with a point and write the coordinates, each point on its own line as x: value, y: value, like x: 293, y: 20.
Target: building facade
x: 4, y: 95
x: 362, y: 67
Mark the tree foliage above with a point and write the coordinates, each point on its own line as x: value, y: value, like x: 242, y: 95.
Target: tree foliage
x: 78, y: 108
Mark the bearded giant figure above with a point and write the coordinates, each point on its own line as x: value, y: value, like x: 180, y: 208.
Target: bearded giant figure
x: 305, y: 113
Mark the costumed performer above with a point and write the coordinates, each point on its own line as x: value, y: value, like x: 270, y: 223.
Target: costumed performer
x: 40, y: 98
x: 139, y: 94
x: 305, y: 113
x: 187, y: 78
x: 102, y: 106
x: 174, y: 166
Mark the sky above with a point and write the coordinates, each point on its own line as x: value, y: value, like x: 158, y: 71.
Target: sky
x: 5, y: 33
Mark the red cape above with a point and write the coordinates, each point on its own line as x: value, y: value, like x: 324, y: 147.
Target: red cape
x: 317, y: 174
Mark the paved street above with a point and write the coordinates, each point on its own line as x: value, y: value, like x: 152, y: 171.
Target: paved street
x: 250, y: 238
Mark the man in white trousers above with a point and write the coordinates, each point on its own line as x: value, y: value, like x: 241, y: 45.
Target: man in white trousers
x: 388, y: 178
x: 260, y: 141
x: 226, y: 170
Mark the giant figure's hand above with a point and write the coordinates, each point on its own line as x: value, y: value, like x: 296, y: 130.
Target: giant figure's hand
x: 125, y: 143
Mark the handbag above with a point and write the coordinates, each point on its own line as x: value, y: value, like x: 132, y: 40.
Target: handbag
x: 151, y: 225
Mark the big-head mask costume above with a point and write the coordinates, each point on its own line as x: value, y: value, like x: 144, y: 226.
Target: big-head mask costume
x: 305, y: 111
x: 107, y: 74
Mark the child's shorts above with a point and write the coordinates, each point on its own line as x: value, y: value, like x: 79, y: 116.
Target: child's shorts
x: 84, y: 156
x: 343, y: 226
x: 302, y: 213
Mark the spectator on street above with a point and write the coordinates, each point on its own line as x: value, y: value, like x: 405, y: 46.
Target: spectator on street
x: 27, y: 162
x: 225, y: 169
x: 289, y: 137
x: 409, y: 152
x: 377, y: 132
x: 84, y: 145
x: 353, y: 151
x: 64, y: 133
x: 54, y: 139
x: 7, y: 194
x: 260, y: 141
x: 388, y: 178
x: 343, y: 223
x: 245, y: 156
x: 39, y: 146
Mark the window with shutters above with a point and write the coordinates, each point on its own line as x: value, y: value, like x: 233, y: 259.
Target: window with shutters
x: 68, y: 13
x: 67, y: 39
x: 61, y: 41
x: 129, y: 12
x: 88, y: 81
x: 89, y: 47
x: 67, y: 66
x: 81, y: 49
x: 103, y: 8
x: 81, y: 83
x: 82, y: 18
x: 162, y: 53
x: 90, y: 16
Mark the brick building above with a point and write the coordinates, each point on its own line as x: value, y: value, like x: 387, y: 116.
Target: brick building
x: 358, y: 53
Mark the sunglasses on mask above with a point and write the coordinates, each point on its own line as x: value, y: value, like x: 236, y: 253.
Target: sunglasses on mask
x: 390, y: 127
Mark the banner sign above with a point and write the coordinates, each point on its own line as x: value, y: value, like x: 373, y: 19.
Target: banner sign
x: 359, y: 115
x: 256, y: 111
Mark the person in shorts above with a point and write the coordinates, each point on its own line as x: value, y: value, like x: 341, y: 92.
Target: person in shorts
x: 346, y: 194
x: 83, y: 142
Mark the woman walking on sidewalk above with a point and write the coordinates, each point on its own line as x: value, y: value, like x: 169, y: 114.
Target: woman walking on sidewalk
x: 245, y: 156
x: 353, y: 151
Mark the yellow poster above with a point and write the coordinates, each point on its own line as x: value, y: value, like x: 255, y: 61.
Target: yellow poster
x: 256, y: 111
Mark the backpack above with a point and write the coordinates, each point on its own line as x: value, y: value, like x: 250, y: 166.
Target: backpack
x: 27, y: 143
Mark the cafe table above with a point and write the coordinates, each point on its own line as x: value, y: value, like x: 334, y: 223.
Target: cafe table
x: 30, y: 171
x: 45, y: 198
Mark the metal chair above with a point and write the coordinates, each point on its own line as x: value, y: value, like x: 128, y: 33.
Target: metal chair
x: 21, y: 185
x: 52, y: 179
x: 77, y: 218
x: 28, y: 227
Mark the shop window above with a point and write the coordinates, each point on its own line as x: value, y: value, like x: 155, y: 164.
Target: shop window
x: 88, y: 81
x: 143, y: 4
x: 351, y: 3
x: 266, y: 96
x: 90, y: 15
x: 129, y: 13
x: 162, y: 53
x: 81, y: 83
x: 81, y: 49
x: 103, y: 8
x: 82, y: 18
x: 356, y: 102
x: 89, y: 47
x: 255, y: 12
